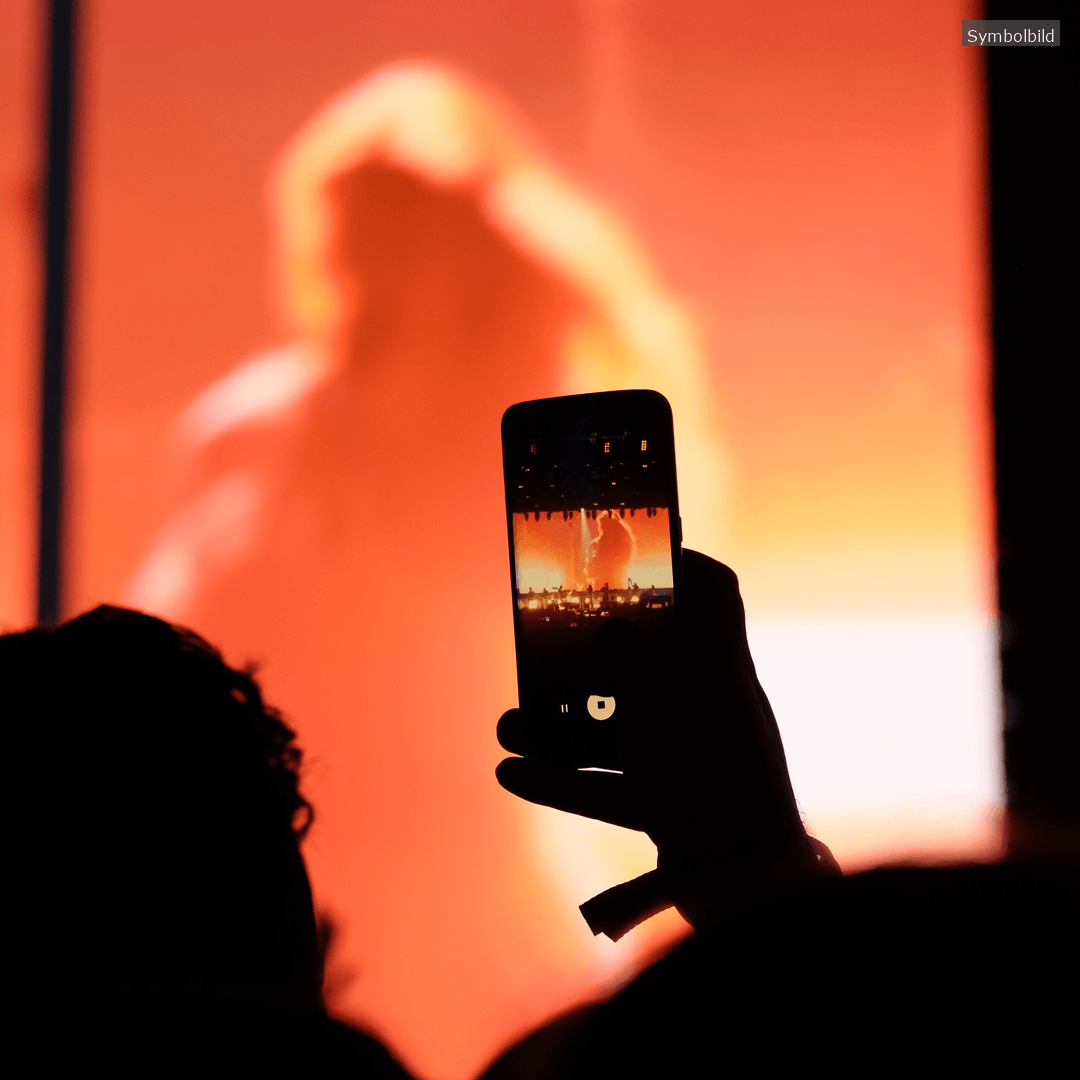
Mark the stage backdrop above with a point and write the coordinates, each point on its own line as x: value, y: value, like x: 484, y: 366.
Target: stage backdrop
x: 799, y: 192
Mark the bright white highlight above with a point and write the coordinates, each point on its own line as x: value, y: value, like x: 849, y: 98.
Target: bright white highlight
x: 263, y: 389
x: 892, y: 722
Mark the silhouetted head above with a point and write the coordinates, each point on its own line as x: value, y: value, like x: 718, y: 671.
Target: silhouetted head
x: 158, y: 814
x: 428, y: 155
x: 420, y: 265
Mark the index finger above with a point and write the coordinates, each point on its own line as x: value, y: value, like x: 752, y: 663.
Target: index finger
x: 576, y: 742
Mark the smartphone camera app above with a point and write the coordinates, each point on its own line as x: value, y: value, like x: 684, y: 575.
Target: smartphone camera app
x: 589, y: 501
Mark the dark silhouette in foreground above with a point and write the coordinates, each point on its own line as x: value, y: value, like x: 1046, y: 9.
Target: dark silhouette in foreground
x: 165, y: 922
x: 165, y: 902
x: 900, y: 967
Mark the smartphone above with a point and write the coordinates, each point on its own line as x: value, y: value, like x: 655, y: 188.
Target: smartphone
x: 592, y: 514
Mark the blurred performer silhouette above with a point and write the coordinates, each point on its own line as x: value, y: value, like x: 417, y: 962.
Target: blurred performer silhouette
x: 336, y: 493
x: 610, y: 553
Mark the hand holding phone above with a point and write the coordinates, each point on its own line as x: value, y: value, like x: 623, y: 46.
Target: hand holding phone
x: 664, y: 700
x: 700, y: 765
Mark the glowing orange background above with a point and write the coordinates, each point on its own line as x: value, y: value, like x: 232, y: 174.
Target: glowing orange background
x: 808, y: 177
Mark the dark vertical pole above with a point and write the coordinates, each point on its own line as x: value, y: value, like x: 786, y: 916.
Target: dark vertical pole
x: 1035, y: 420
x: 59, y: 130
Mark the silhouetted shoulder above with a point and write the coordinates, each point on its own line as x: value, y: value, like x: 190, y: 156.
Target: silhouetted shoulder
x: 964, y: 964
x: 166, y: 1032
x: 547, y: 1050
x: 345, y: 1049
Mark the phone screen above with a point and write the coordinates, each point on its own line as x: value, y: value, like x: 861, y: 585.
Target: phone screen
x: 594, y: 534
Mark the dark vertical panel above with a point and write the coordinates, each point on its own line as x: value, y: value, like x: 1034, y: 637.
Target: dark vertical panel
x: 59, y: 130
x: 1033, y: 187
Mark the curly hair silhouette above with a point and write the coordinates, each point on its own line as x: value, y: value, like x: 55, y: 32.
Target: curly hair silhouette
x: 163, y: 888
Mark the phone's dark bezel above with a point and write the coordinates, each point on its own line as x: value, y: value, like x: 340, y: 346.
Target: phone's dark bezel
x: 547, y: 416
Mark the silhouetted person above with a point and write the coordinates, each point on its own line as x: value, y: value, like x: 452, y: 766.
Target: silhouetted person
x: 163, y: 892
x: 611, y: 553
x: 165, y: 921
